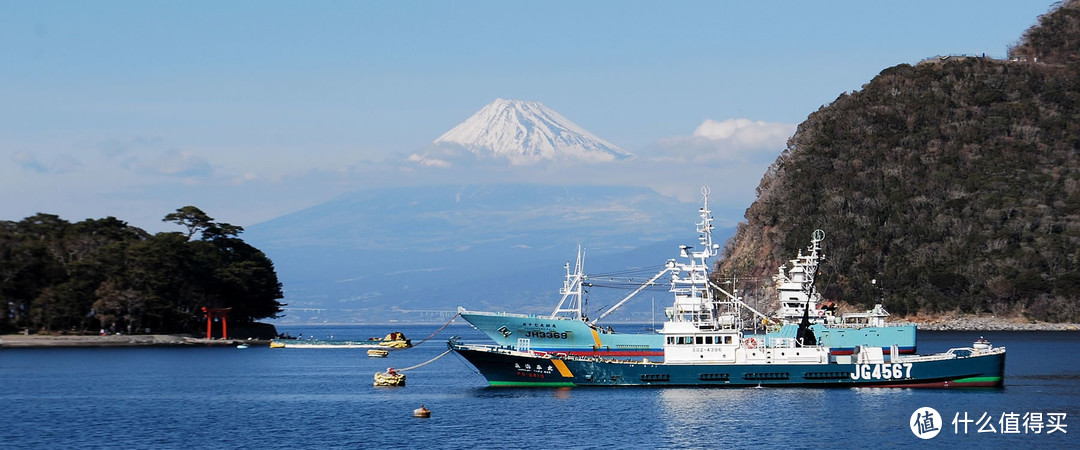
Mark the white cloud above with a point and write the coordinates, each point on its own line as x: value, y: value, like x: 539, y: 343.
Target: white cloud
x: 745, y: 132
x: 727, y: 140
x: 177, y: 163
x: 427, y: 161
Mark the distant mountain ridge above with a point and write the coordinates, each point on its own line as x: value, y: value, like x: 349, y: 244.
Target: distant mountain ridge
x: 526, y: 132
x: 950, y: 185
x: 417, y: 253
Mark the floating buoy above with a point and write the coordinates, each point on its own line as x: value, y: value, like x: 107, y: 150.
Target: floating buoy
x: 421, y: 412
x: 389, y: 378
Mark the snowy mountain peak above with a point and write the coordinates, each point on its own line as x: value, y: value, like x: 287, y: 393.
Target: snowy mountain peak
x: 527, y: 132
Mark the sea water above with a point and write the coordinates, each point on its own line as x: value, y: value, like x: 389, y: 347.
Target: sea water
x: 224, y: 397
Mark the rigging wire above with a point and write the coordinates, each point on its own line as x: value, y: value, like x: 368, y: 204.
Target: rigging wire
x: 425, y: 362
x: 455, y: 316
x: 630, y: 271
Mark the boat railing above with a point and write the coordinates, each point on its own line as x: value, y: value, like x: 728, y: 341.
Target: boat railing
x: 923, y: 358
x: 864, y: 325
x: 953, y: 353
x: 972, y: 351
x: 491, y: 348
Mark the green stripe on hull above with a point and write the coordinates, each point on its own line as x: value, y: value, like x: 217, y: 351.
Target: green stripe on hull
x: 532, y: 383
x: 978, y: 380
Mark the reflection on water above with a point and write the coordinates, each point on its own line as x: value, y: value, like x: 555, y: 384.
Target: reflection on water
x: 734, y: 417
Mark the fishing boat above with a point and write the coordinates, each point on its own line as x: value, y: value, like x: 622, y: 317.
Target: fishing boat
x: 569, y: 330
x: 395, y: 339
x: 843, y: 333
x: 737, y: 365
x: 704, y: 345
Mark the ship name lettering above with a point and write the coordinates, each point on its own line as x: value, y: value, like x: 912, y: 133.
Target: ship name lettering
x: 893, y: 371
x: 547, y: 334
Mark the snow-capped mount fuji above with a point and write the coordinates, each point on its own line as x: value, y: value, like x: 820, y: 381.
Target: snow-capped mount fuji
x: 527, y: 132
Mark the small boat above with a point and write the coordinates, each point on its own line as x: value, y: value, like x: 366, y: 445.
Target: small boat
x: 378, y: 353
x: 395, y: 339
x: 389, y: 378
x: 422, y: 412
x: 242, y: 346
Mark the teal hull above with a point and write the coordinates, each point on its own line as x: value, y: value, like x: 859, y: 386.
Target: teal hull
x: 844, y: 340
x: 507, y: 368
x: 575, y: 337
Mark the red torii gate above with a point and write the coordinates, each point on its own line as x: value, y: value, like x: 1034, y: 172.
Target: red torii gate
x: 216, y: 313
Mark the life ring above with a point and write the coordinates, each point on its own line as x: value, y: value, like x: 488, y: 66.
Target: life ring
x: 750, y: 343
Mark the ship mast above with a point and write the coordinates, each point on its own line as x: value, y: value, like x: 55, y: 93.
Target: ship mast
x: 690, y: 281
x: 691, y: 290
x: 572, y: 301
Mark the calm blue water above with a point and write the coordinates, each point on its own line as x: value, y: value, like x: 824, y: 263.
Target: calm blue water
x: 323, y: 398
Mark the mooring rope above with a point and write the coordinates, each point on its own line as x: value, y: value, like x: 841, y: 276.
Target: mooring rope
x: 438, y: 331
x: 425, y: 362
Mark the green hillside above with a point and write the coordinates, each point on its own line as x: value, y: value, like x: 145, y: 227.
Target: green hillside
x: 954, y: 182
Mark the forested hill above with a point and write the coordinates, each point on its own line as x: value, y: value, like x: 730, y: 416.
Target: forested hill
x: 58, y: 276
x: 954, y: 182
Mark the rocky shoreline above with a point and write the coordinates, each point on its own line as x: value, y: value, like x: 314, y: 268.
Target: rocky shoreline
x: 140, y: 340
x: 971, y: 323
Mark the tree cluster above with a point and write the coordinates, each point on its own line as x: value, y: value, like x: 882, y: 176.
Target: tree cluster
x: 105, y: 274
x: 954, y: 183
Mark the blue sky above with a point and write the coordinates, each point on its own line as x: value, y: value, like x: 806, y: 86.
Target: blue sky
x: 253, y: 109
